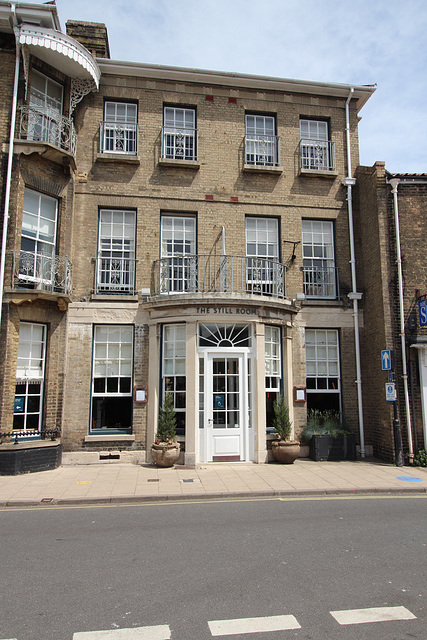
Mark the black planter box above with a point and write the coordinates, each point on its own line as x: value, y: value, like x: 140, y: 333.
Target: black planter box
x: 328, y: 448
x: 30, y: 458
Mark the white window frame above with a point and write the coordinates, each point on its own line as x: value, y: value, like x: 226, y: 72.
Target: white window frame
x: 273, y: 364
x: 119, y: 133
x: 319, y: 270
x: 316, y: 152
x: 322, y: 361
x: 30, y: 372
x: 37, y: 264
x: 179, y: 137
x: 174, y: 368
x: 178, y: 253
x: 262, y: 254
x: 112, y: 362
x: 44, y: 119
x: 261, y: 142
x: 116, y: 251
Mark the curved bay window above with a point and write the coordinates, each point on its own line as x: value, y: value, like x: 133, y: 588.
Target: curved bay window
x: 173, y: 370
x: 273, y: 371
x: 112, y: 378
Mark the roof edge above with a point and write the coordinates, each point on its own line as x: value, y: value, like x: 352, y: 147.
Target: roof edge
x: 361, y: 93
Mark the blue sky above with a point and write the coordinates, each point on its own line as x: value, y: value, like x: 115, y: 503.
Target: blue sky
x: 379, y: 42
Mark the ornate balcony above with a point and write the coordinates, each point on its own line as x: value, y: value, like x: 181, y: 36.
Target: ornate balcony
x: 219, y: 274
x: 262, y: 151
x: 119, y: 137
x: 41, y: 272
x: 179, y: 143
x: 321, y: 282
x: 115, y: 276
x: 43, y: 125
x: 317, y: 155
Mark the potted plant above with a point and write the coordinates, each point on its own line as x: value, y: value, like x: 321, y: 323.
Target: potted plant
x: 165, y: 450
x: 327, y: 436
x: 284, y: 450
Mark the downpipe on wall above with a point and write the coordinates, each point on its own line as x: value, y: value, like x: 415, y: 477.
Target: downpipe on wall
x: 354, y: 296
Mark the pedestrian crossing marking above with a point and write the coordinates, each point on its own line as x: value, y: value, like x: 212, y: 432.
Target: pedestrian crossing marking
x: 374, y: 614
x: 158, y: 632
x: 252, y: 625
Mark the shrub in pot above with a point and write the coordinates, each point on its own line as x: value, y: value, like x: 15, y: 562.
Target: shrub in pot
x: 165, y: 450
x: 284, y: 450
x: 327, y: 436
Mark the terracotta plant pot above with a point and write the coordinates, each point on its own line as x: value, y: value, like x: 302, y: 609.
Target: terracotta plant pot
x: 165, y: 455
x: 285, y: 451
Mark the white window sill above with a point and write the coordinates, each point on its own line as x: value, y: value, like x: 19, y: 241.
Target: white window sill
x: 184, y: 164
x: 318, y: 173
x: 126, y: 158
x: 259, y: 168
x: 118, y: 437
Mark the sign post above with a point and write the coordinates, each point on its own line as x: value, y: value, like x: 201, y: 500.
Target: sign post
x: 387, y: 364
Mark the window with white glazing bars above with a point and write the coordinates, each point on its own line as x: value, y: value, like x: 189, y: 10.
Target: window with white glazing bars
x: 119, y: 129
x: 173, y: 370
x: 262, y: 255
x: 261, y: 143
x: 319, y: 272
x: 116, y: 251
x: 38, y: 238
x: 30, y: 373
x: 178, y: 249
x: 315, y: 145
x: 179, y: 140
x: 112, y: 378
x: 273, y: 369
x: 45, y: 101
x: 322, y: 369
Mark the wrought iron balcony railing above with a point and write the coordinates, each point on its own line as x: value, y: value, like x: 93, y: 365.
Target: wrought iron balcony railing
x: 119, y: 137
x: 262, y: 151
x: 219, y: 274
x: 179, y: 143
x: 115, y: 275
x: 46, y: 125
x: 317, y: 155
x: 321, y: 282
x: 43, y: 272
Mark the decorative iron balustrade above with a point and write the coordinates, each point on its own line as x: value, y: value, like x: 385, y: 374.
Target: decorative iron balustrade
x: 46, y: 125
x: 219, y: 274
x: 115, y: 275
x: 179, y: 143
x: 119, y: 137
x: 321, y: 282
x: 38, y: 271
x: 262, y: 151
x: 318, y: 155
x: 16, y: 434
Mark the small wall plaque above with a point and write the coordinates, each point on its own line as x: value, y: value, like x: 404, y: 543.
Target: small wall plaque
x: 300, y: 394
x: 140, y: 395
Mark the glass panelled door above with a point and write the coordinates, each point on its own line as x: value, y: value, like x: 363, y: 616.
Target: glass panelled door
x: 227, y: 408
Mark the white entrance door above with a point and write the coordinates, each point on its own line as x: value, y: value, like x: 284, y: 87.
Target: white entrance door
x: 226, y: 416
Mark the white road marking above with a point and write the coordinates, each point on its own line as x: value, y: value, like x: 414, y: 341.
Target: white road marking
x: 252, y: 625
x: 374, y: 614
x: 158, y: 632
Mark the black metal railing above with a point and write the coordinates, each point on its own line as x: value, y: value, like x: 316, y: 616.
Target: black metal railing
x: 17, y: 435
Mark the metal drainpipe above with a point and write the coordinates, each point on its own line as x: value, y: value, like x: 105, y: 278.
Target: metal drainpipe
x: 9, y: 164
x: 394, y: 183
x: 349, y: 182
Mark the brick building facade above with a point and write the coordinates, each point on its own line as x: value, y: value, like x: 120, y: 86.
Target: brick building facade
x: 392, y: 230
x: 175, y: 231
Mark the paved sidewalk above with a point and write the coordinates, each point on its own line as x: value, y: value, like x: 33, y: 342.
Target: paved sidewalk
x: 117, y: 482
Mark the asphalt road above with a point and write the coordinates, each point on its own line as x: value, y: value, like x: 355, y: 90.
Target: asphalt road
x: 68, y: 570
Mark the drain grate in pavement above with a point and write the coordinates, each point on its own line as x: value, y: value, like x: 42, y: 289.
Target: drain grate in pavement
x: 152, y: 479
x: 46, y: 500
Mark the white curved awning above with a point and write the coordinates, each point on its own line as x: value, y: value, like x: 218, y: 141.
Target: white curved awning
x: 60, y: 51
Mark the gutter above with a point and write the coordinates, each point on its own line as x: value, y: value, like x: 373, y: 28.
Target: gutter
x: 354, y: 296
